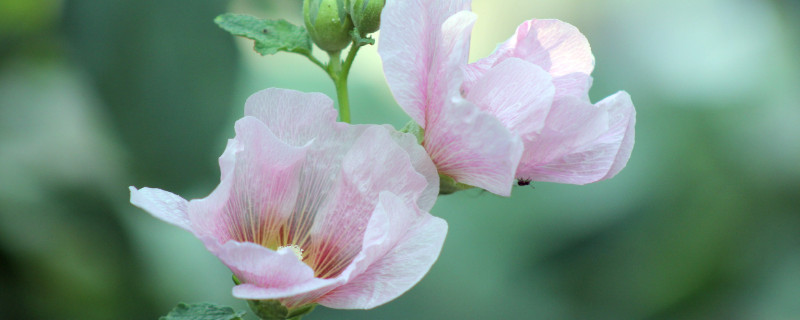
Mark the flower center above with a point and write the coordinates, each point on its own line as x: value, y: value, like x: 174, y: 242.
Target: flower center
x: 295, y: 249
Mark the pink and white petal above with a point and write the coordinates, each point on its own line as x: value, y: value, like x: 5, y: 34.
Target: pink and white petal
x: 294, y: 117
x: 622, y: 116
x: 258, y: 194
x: 377, y: 163
x: 573, y: 84
x: 518, y: 93
x: 374, y: 164
x: 268, y: 274
x: 584, y: 144
x: 446, y: 75
x: 474, y: 147
x: 206, y: 213
x: 400, y: 246
x: 556, y: 46
x: 163, y: 205
x: 571, y: 124
x: 422, y: 164
x: 410, y: 45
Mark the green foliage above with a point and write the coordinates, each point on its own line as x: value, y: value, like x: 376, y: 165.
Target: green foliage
x: 274, y: 310
x: 270, y: 36
x: 203, y: 311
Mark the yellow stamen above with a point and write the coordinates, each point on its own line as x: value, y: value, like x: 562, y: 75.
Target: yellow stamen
x: 295, y: 249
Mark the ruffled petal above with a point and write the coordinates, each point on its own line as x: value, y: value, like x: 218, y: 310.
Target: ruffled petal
x: 518, y: 93
x: 423, y: 164
x: 294, y: 117
x: 163, y: 205
x: 258, y: 189
x: 420, y: 49
x: 400, y: 246
x: 268, y: 274
x: 581, y: 143
x: 622, y: 116
x: 474, y: 147
x: 555, y: 46
x: 374, y: 164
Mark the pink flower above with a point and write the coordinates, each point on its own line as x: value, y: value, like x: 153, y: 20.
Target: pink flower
x: 309, y: 210
x: 523, y: 112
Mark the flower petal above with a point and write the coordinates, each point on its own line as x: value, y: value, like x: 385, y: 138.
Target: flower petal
x: 622, y: 123
x: 400, y: 246
x: 423, y: 164
x: 518, y: 93
x: 258, y: 189
x: 374, y: 164
x: 294, y: 117
x: 581, y: 143
x: 474, y: 147
x: 268, y: 274
x: 163, y: 205
x: 422, y: 49
x: 555, y: 46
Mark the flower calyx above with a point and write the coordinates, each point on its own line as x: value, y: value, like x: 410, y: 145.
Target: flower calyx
x: 275, y: 310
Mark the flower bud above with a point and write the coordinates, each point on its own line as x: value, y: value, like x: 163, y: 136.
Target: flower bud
x: 366, y: 14
x: 328, y: 23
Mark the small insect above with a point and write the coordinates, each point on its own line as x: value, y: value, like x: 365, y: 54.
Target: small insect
x: 265, y: 31
x: 524, y: 182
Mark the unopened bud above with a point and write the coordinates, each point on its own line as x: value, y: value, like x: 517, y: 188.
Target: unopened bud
x: 328, y: 23
x: 366, y: 15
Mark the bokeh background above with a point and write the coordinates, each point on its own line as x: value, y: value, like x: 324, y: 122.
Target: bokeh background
x: 704, y: 223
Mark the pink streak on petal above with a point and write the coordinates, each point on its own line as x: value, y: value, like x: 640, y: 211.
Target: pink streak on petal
x: 268, y: 274
x: 400, y: 246
x: 410, y: 57
x: 474, y: 147
x: 518, y: 93
x: 163, y: 205
x: 374, y: 164
x: 258, y: 194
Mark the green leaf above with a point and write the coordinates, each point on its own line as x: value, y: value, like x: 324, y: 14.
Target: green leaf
x: 203, y: 311
x: 270, y: 36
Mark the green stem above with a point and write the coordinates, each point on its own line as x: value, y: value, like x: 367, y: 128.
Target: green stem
x: 344, y: 102
x: 338, y: 71
x: 316, y: 61
x: 338, y: 74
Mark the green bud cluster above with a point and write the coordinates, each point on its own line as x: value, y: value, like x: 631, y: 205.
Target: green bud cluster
x: 330, y: 22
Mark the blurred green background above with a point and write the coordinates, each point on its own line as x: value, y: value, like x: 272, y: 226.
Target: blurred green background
x: 704, y: 223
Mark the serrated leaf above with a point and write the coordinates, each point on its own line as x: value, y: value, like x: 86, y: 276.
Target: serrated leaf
x: 203, y: 311
x: 270, y: 36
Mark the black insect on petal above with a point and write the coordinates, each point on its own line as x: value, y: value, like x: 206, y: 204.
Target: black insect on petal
x: 523, y: 182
